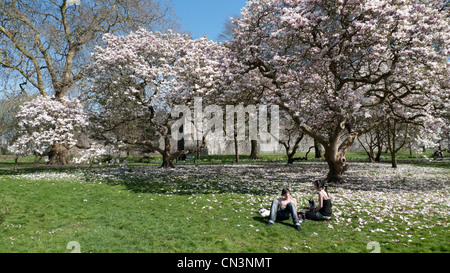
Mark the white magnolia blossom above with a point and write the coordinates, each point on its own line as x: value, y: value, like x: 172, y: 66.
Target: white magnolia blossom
x: 95, y: 152
x: 45, y: 121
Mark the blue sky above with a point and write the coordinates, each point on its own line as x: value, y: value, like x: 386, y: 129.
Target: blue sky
x: 206, y: 17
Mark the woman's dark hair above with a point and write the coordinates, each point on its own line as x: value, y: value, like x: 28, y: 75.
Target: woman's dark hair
x: 321, y: 184
x: 285, y: 191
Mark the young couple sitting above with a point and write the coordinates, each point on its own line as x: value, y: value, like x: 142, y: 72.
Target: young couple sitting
x: 286, y: 207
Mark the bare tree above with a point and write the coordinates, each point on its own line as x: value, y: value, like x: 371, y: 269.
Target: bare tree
x: 397, y: 137
x: 290, y: 138
x: 372, y: 143
x: 227, y: 32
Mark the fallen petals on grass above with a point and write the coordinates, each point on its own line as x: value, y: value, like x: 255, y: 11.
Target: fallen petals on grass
x: 375, y: 199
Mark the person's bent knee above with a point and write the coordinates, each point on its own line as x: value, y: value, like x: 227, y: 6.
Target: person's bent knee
x: 290, y: 205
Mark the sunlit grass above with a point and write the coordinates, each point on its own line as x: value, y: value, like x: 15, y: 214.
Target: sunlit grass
x: 212, y: 208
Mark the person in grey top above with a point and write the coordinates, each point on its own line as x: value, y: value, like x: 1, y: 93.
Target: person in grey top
x: 284, y: 209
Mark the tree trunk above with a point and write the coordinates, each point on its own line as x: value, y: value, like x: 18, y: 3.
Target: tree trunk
x: 337, y: 166
x: 379, y: 138
x: 335, y: 157
x: 291, y: 158
x: 393, y: 145
x: 369, y: 150
x: 236, y: 147
x: 334, y: 153
x: 254, y: 154
x: 199, y: 143
x: 58, y: 155
x: 379, y: 151
x: 16, y: 163
x: 36, y: 157
x: 371, y: 156
x: 394, y: 160
x: 317, y: 150
x: 168, y: 157
x: 167, y: 161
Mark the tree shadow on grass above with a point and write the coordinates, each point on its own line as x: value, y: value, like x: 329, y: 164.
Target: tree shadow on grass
x: 188, y: 180
x: 261, y: 179
x: 257, y: 179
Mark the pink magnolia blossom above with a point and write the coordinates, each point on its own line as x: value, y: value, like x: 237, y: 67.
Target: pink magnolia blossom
x: 144, y: 75
x: 339, y: 67
x: 342, y: 58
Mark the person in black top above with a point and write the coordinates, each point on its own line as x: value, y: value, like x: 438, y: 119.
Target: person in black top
x: 323, y: 209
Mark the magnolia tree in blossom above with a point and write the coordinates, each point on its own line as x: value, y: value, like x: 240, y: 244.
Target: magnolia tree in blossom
x: 332, y: 65
x: 47, y: 123
x: 143, y: 76
x: 92, y: 154
x: 46, y: 44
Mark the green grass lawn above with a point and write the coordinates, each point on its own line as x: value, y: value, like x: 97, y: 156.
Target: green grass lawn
x: 212, y: 208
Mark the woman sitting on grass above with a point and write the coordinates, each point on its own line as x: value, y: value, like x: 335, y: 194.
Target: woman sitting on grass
x: 323, y: 209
